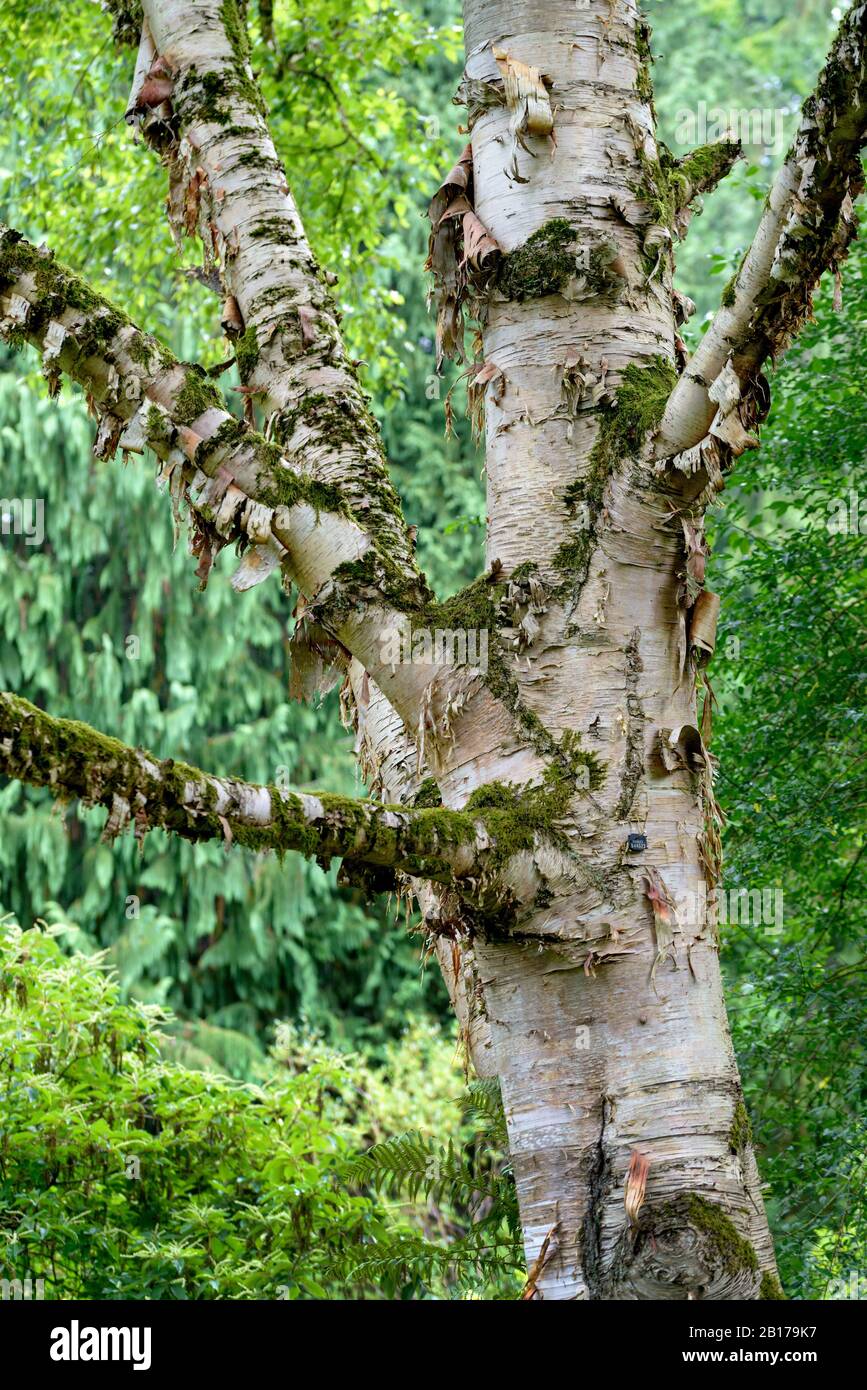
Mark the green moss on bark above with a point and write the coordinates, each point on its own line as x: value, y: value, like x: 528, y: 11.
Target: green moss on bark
x: 735, y: 1253
x: 518, y: 816
x: 213, y: 96
x: 428, y: 794
x: 726, y: 1246
x: 644, y: 79
x: 668, y: 185
x: 623, y: 430
x: 247, y: 352
x: 770, y: 1289
x: 280, y: 486
x: 254, y: 159
x: 740, y: 1134
x: 57, y: 289
x: 174, y: 796
x: 197, y: 395
x: 549, y: 261
x: 702, y: 169
x: 274, y: 229
x: 374, y: 577
x: 543, y: 265
x: 159, y: 430
x: 236, y: 30
x: 729, y: 294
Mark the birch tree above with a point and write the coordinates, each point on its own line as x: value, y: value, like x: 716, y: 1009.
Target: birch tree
x: 537, y: 748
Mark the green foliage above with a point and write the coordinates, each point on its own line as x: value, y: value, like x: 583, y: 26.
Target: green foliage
x: 483, y: 1255
x: 338, y: 82
x: 721, y: 58
x: 122, y: 1175
x: 792, y: 742
x: 127, y: 1172
x: 104, y: 623
x: 411, y: 1163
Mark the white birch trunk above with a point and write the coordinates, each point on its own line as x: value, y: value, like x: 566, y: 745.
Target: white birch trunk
x: 605, y: 1048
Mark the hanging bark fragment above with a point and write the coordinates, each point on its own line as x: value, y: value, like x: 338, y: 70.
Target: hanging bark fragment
x: 526, y: 91
x: 636, y: 1186
x: 664, y: 918
x: 488, y: 374
x: 681, y: 748
x: 702, y: 628
x: 459, y: 247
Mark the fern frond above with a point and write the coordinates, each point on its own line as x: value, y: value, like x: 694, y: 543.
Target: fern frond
x: 483, y: 1105
x: 413, y: 1164
x: 400, y: 1258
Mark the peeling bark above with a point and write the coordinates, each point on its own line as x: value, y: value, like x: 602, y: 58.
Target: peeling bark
x: 609, y: 1035
x: 227, y: 187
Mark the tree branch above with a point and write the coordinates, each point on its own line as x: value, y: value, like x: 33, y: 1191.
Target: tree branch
x: 74, y: 760
x: 698, y: 173
x: 240, y: 486
x: 228, y: 187
x: 806, y: 229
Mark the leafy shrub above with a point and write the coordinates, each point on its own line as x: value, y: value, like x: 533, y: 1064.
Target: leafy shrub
x: 127, y: 1174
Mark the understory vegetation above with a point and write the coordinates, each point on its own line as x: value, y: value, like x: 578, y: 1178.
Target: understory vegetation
x: 133, y: 1166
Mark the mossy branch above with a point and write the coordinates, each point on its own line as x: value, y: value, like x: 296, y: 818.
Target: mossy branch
x: 807, y: 226
x: 129, y: 375
x: 145, y: 792
x: 702, y: 169
x: 241, y: 488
